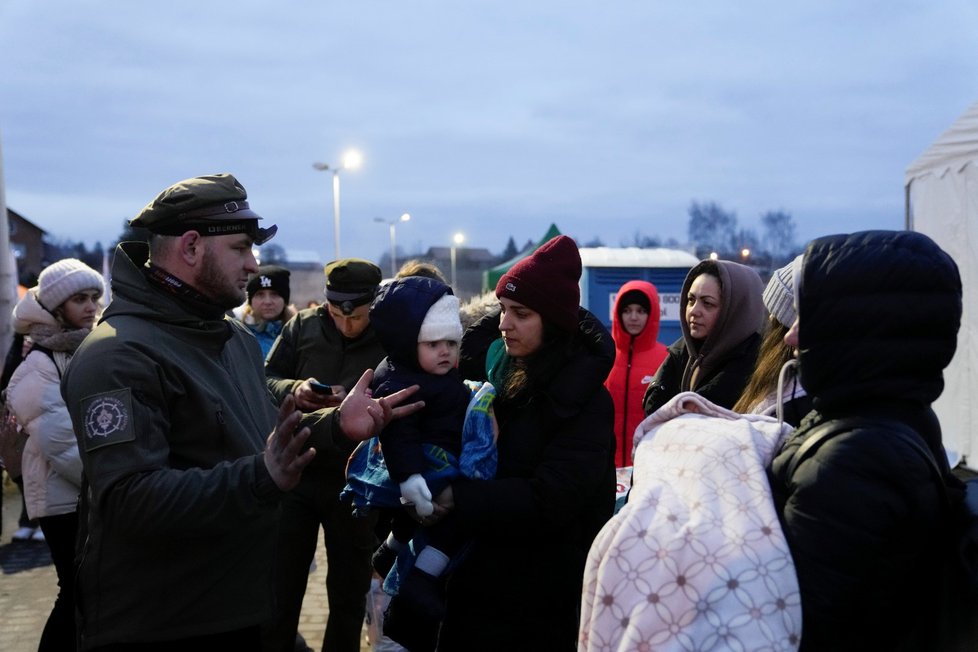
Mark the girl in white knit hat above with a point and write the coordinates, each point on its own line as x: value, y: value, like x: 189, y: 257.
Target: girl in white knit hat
x: 776, y: 361
x: 57, y: 314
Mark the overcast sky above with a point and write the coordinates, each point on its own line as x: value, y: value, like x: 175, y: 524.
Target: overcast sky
x: 490, y: 118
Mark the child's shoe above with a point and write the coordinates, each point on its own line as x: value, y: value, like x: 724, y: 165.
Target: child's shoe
x: 425, y: 592
x: 383, y: 559
x: 413, y: 617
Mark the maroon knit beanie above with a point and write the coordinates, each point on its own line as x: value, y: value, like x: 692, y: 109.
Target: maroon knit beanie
x: 547, y: 282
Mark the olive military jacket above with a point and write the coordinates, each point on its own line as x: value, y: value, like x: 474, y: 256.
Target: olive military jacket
x: 179, y: 519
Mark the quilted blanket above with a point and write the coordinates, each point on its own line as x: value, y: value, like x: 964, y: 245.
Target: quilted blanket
x: 696, y: 559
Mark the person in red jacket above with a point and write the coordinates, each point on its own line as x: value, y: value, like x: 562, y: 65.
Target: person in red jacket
x: 638, y: 354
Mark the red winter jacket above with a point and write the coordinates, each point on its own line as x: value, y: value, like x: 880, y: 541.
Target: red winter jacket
x: 636, y: 361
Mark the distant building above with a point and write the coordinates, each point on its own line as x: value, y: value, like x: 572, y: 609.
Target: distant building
x: 27, y: 244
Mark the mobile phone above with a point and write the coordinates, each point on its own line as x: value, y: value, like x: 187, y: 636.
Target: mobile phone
x: 320, y: 388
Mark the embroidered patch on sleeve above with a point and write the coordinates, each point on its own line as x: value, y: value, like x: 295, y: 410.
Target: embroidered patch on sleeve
x: 108, y: 419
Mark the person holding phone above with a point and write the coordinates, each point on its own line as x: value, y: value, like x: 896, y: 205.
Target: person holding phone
x: 316, y: 359
x: 320, y: 388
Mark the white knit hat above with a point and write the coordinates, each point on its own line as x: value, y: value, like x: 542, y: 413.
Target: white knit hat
x: 780, y: 295
x: 60, y: 280
x: 442, y: 322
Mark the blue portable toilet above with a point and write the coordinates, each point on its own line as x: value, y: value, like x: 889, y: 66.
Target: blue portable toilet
x: 607, y: 268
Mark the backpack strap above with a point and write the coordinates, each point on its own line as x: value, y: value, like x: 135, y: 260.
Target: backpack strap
x: 818, y: 436
x: 825, y: 431
x: 60, y: 366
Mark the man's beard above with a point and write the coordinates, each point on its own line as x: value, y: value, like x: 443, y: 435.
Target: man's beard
x: 211, y: 284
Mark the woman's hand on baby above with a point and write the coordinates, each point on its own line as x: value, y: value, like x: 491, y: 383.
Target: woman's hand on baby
x: 442, y: 504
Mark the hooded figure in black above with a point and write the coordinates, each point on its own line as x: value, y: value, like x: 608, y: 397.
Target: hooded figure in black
x: 878, y: 318
x: 407, y: 313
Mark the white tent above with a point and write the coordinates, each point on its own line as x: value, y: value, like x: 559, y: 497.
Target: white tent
x: 942, y: 202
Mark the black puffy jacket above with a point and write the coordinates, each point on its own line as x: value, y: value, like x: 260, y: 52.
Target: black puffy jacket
x: 879, y: 313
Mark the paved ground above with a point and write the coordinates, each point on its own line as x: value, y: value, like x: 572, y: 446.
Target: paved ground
x: 28, y: 585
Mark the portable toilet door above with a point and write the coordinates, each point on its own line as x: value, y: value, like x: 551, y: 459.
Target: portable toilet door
x: 606, y: 269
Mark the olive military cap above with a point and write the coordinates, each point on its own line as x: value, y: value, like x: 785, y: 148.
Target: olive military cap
x: 351, y: 282
x: 213, y: 204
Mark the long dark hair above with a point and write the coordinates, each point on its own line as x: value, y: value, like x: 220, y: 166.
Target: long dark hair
x: 770, y: 358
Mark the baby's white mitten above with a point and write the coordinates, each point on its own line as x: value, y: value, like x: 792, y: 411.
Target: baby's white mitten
x: 415, y: 491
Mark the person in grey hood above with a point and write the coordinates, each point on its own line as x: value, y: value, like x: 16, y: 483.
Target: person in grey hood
x: 722, y: 322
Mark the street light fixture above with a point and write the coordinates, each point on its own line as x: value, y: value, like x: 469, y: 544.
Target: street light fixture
x: 393, y: 223
x: 351, y: 161
x: 457, y: 240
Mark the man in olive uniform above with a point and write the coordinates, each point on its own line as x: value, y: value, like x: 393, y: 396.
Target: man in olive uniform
x: 332, y: 344
x: 171, y: 412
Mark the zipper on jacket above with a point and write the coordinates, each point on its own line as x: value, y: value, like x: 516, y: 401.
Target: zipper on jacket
x: 624, y: 415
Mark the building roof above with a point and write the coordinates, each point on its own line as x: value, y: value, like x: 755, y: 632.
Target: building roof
x: 636, y: 257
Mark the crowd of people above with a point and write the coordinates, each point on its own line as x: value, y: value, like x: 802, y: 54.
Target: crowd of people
x: 189, y: 442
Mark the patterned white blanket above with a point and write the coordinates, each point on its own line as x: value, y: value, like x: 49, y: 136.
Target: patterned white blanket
x: 696, y: 560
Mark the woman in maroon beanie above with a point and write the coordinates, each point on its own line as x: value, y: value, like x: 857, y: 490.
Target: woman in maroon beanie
x: 518, y: 586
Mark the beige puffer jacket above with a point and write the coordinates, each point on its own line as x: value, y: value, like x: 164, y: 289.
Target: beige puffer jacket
x: 51, y: 465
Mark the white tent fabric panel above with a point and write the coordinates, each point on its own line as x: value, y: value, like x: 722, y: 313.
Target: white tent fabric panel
x: 942, y: 192
x: 954, y: 148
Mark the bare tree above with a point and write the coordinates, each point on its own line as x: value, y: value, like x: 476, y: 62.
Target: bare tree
x: 711, y: 227
x: 779, y: 234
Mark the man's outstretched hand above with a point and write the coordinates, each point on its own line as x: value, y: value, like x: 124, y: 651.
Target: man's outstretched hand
x: 362, y: 416
x: 284, y: 457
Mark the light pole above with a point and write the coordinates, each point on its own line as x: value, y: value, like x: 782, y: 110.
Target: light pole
x: 351, y: 161
x: 457, y: 239
x: 393, y: 223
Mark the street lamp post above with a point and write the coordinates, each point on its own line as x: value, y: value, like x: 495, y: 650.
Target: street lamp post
x: 351, y: 161
x: 457, y: 239
x: 393, y: 223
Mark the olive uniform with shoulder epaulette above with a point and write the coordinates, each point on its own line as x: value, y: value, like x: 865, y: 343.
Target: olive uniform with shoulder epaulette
x: 171, y: 412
